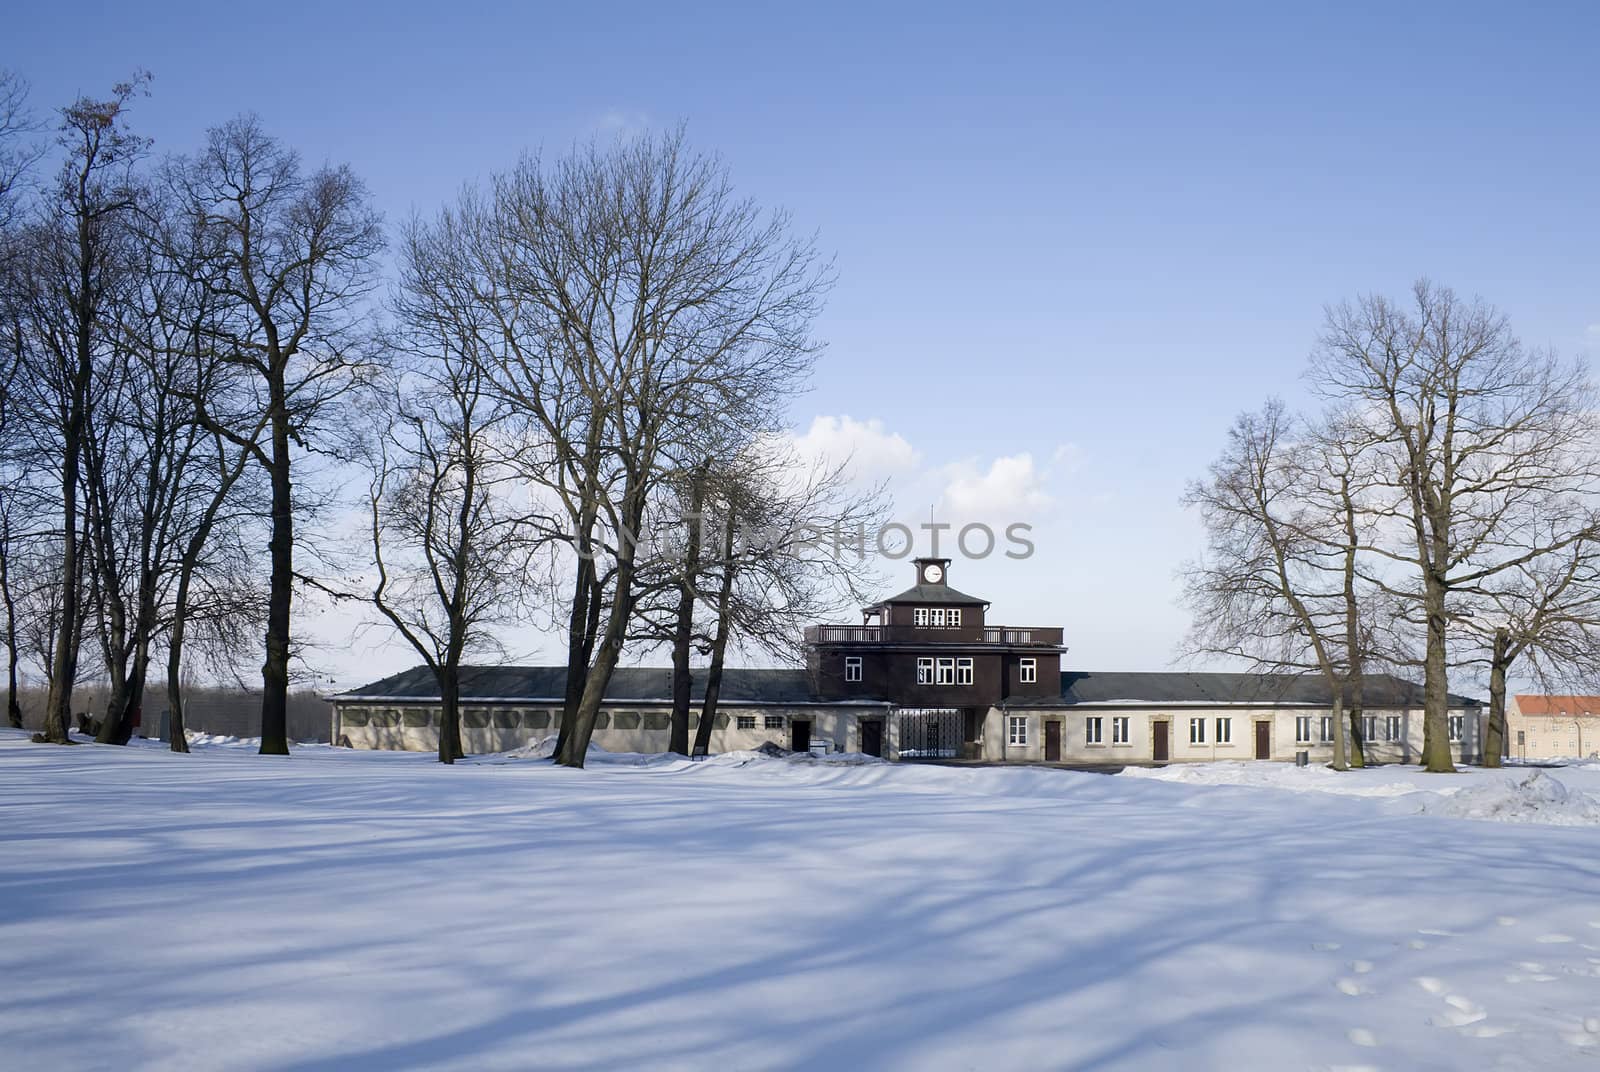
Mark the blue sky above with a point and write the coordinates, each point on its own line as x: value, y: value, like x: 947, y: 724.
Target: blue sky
x: 1073, y: 240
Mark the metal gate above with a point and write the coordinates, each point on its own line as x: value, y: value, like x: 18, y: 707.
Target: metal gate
x: 929, y: 732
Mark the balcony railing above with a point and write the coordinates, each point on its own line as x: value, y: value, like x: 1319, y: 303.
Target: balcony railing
x: 907, y: 634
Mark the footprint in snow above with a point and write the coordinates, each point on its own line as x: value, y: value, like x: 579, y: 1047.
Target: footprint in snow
x: 1417, y: 943
x: 1361, y: 1036
x: 1350, y: 988
x: 1506, y: 921
x: 1438, y: 933
x: 1489, y: 1031
x: 1535, y: 970
x: 1324, y: 947
x: 1554, y: 939
x: 1463, y: 1011
x: 1588, y: 1033
x: 1430, y: 984
x: 1361, y: 967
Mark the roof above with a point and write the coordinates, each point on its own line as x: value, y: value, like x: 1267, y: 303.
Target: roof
x: 933, y: 593
x: 1379, y: 690
x: 647, y: 684
x: 548, y: 684
x: 1542, y: 704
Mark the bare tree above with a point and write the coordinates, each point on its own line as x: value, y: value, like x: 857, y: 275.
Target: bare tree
x: 1543, y: 613
x: 445, y: 536
x: 71, y: 268
x: 1278, y: 586
x: 293, y: 265
x: 17, y: 154
x: 1477, y: 430
x: 785, y: 556
x: 634, y: 304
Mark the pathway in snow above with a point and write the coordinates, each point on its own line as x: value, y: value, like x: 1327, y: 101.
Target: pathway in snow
x: 339, y: 910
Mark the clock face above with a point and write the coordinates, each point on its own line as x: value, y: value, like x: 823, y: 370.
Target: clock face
x: 934, y: 574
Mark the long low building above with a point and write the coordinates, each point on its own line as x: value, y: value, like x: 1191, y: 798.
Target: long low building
x: 924, y: 677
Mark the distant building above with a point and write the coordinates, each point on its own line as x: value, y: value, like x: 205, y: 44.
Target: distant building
x: 1553, y: 727
x: 925, y: 676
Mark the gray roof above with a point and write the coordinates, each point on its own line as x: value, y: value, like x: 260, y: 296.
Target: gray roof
x: 933, y: 593
x: 1379, y: 690
x: 647, y: 684
x: 549, y: 683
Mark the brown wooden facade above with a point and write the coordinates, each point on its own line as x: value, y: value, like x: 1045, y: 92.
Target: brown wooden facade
x: 931, y: 647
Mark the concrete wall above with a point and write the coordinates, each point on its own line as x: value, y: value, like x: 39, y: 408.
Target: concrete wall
x: 644, y: 728
x: 636, y: 728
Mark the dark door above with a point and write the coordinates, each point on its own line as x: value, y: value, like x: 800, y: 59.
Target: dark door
x: 872, y: 737
x: 1263, y: 740
x: 1158, y: 741
x: 800, y: 736
x: 1052, y: 742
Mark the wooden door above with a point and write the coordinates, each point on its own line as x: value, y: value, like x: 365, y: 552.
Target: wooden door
x: 1158, y: 741
x: 872, y: 737
x: 800, y: 735
x: 1263, y: 740
x: 1052, y: 741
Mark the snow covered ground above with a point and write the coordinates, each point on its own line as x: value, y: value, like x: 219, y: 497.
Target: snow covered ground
x: 370, y: 910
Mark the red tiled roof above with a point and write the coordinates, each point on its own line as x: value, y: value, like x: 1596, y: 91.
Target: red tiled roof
x: 1540, y: 704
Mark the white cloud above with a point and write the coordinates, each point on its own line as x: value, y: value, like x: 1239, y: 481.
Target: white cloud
x: 1011, y: 486
x: 872, y: 452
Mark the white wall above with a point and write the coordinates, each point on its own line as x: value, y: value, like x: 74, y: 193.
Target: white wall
x: 1407, y: 747
x: 644, y: 729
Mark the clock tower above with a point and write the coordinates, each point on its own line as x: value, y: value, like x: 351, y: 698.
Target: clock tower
x: 932, y: 570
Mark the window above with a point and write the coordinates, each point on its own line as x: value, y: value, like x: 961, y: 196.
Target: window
x: 924, y: 671
x: 852, y: 668
x: 1197, y: 731
x: 1028, y: 671
x: 1017, y: 729
x: 963, y: 671
x: 1457, y: 726
x: 952, y: 617
x: 774, y: 722
x: 1369, y: 727
x: 1224, y: 731
x: 946, y: 672
x: 936, y: 617
x: 1302, y: 729
x: 920, y: 616
x: 1091, y: 730
x: 1392, y: 728
x: 747, y: 722
x: 1119, y: 730
x: 1327, y: 729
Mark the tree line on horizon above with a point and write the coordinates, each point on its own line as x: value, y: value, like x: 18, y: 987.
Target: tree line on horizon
x: 562, y: 398
x: 1439, y: 510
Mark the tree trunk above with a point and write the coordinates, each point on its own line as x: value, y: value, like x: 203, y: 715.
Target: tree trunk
x: 1435, y: 685
x: 275, y: 670
x: 177, y: 733
x: 1494, y: 731
x: 583, y: 623
x: 594, y: 691
x: 683, y: 633
x: 719, y: 644
x: 609, y: 651
x: 64, y: 659
x: 13, y: 707
x: 449, y: 679
x: 1339, y: 761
